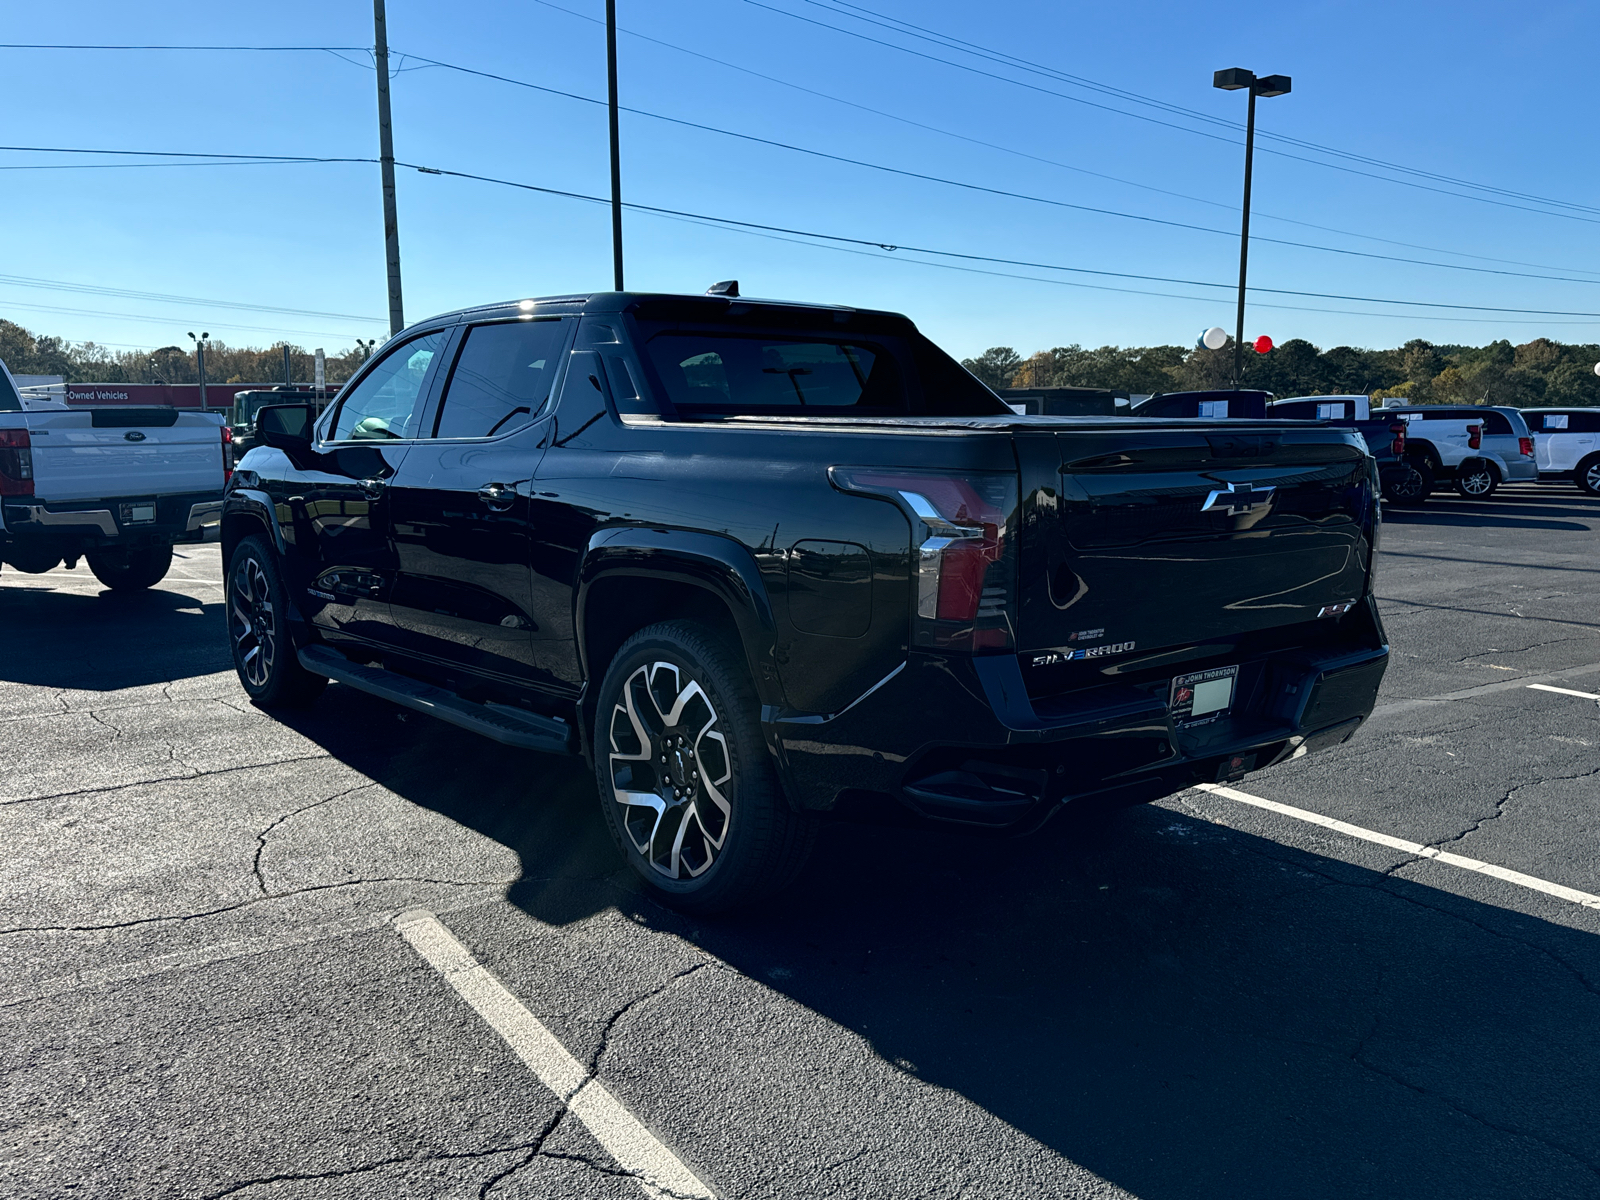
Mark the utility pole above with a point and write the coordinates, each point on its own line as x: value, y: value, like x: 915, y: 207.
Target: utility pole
x: 391, y: 222
x: 616, y: 152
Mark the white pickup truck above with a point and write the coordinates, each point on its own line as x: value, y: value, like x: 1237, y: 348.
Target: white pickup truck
x: 116, y: 486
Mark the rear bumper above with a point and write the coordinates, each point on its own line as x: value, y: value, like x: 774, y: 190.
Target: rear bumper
x: 1521, y: 470
x: 959, y: 739
x: 78, y: 528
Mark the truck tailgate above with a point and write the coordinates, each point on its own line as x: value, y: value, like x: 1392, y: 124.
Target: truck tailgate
x: 96, y: 454
x: 1169, y: 538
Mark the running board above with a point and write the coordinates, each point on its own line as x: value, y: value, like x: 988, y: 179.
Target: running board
x: 498, y: 722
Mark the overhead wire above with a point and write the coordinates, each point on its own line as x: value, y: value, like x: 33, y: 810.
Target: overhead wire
x: 1024, y: 154
x: 1483, y: 199
x: 985, y: 188
x: 949, y: 41
x: 95, y: 289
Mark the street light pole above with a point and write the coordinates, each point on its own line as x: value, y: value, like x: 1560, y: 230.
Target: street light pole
x: 200, y: 358
x: 616, y: 152
x: 391, y: 220
x: 1233, y: 80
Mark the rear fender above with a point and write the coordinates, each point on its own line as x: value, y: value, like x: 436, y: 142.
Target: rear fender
x: 717, y: 566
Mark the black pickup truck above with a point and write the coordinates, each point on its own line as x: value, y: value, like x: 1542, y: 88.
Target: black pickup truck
x: 756, y: 561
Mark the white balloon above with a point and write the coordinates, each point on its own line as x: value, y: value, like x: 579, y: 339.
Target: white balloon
x: 1216, y: 338
x: 1597, y: 368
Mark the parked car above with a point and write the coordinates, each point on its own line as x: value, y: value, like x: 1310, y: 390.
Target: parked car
x: 242, y: 415
x: 1401, y: 481
x: 1475, y: 448
x: 1232, y: 403
x: 754, y: 559
x: 1565, y: 445
x: 118, y: 486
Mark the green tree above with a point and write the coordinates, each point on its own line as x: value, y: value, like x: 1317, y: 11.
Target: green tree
x: 996, y: 366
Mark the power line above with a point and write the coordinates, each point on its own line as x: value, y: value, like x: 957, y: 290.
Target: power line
x: 891, y: 246
x: 994, y: 191
x: 949, y: 41
x: 86, y: 312
x: 101, y: 46
x: 1228, y: 205
x: 1198, y: 132
x: 185, y: 154
x: 94, y: 289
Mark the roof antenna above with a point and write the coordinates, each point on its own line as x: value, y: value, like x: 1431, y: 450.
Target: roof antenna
x: 728, y: 287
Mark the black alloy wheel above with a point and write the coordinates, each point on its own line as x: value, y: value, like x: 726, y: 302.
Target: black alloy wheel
x: 126, y: 570
x: 1404, y: 486
x: 263, y: 652
x: 1587, y: 476
x: 1477, y: 481
x: 688, y: 786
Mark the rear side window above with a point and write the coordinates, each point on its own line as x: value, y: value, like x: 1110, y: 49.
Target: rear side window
x: 729, y: 373
x: 1496, y: 423
x: 10, y: 401
x: 383, y: 406
x: 502, y: 378
x: 738, y: 373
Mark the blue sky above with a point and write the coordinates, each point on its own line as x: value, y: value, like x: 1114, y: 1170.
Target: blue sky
x: 1499, y: 94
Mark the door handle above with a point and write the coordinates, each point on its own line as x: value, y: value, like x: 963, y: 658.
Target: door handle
x: 497, y: 496
x: 372, y: 488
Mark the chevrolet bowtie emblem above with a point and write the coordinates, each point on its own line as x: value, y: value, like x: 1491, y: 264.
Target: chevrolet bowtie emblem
x: 1238, y: 499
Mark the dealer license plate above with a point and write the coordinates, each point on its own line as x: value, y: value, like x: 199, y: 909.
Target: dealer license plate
x: 1203, y: 696
x: 138, y: 514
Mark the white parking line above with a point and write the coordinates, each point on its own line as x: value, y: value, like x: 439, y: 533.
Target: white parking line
x: 1560, y: 891
x: 1545, y: 687
x: 656, y: 1169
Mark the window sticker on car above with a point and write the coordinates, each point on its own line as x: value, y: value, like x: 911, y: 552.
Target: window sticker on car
x: 1555, y: 421
x: 1202, y: 697
x: 1213, y: 408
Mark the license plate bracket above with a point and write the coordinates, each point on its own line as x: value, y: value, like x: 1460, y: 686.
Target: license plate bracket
x: 139, y: 513
x: 1202, y: 696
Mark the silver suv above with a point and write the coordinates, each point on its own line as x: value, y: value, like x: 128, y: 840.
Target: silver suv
x: 1475, y: 448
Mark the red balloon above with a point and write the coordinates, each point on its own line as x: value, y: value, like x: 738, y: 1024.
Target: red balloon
x: 1263, y: 344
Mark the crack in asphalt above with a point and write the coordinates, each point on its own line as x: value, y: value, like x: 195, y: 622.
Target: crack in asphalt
x: 1463, y: 1110
x: 637, y: 1001
x: 616, y: 1172
x: 534, y: 1151
x: 245, y: 1185
x: 1388, y: 873
x: 261, y: 838
x: 1499, y: 811
x: 196, y: 774
x: 211, y: 912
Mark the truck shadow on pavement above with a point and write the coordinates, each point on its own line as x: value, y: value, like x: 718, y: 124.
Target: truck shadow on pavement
x: 66, y: 639
x: 1189, y: 1011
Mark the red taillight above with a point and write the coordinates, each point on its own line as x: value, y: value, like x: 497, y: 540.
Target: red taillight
x: 227, y: 454
x: 1474, y: 437
x: 963, y: 574
x: 1525, y: 445
x: 1398, y: 446
x: 16, y: 463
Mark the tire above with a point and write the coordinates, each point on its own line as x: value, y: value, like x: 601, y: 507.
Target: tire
x: 131, y: 570
x: 258, y: 632
x: 1478, y: 481
x: 677, y: 698
x: 1587, y: 475
x: 1430, y: 477
x: 1404, y: 486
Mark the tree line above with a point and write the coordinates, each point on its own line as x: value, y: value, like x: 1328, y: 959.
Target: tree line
x: 1540, y: 372
x: 28, y: 353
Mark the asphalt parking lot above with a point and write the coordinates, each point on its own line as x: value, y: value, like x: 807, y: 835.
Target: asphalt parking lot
x: 205, y: 991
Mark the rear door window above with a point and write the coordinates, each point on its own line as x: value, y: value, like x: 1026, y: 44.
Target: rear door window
x: 502, y: 378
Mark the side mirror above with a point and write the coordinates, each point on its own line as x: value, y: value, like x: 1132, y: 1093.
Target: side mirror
x: 285, y: 427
